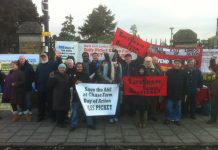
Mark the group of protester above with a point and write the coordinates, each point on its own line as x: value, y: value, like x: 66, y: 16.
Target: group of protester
x: 57, y: 96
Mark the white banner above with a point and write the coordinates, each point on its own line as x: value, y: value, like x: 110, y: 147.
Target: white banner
x: 206, y: 55
x: 101, y: 49
x: 67, y: 48
x: 98, y: 99
x: 32, y: 58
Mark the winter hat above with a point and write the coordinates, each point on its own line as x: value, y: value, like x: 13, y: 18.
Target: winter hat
x: 62, y: 66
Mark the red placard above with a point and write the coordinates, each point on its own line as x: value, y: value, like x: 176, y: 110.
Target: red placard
x: 145, y: 86
x: 130, y: 42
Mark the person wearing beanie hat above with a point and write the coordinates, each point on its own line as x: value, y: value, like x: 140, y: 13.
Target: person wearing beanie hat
x: 176, y: 80
x: 62, y: 66
x: 59, y: 82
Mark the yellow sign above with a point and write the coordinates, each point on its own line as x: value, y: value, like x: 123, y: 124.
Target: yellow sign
x: 46, y: 34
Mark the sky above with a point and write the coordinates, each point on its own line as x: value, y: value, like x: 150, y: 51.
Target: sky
x: 153, y: 18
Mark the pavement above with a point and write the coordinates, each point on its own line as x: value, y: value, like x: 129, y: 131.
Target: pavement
x: 190, y: 133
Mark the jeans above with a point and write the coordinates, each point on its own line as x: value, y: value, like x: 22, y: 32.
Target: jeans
x: 117, y: 113
x: 214, y: 107
x: 75, y: 116
x: 173, y: 110
x: 28, y: 100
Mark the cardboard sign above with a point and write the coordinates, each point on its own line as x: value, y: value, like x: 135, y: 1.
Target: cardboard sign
x: 98, y: 99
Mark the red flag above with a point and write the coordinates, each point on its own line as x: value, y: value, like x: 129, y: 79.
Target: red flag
x: 130, y: 42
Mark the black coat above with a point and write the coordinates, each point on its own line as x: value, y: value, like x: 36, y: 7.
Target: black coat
x: 84, y: 78
x: 42, y: 74
x: 61, y: 91
x: 29, y: 75
x: 131, y: 68
x: 94, y: 67
x: 194, y: 80
x: 175, y: 84
x: 18, y: 89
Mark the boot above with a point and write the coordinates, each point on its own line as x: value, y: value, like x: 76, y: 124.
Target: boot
x: 144, y: 119
x: 28, y: 117
x: 212, y: 121
x: 16, y: 117
x: 138, y: 123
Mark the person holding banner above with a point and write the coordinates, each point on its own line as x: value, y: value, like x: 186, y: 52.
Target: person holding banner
x: 150, y: 70
x: 129, y: 68
x: 194, y: 82
x: 214, y: 92
x: 175, y: 91
x: 59, y: 82
x: 112, y: 74
x: 140, y: 103
x: 79, y: 77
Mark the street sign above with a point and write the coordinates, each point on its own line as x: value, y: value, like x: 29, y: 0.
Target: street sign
x: 46, y: 34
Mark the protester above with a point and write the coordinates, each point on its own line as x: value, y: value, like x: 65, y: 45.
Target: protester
x: 112, y: 74
x: 42, y: 75
x: 94, y: 69
x: 59, y: 82
x: 140, y: 103
x: 175, y: 91
x: 214, y: 92
x: 2, y: 78
x: 79, y: 77
x: 6, y: 97
x: 86, y: 62
x: 155, y: 63
x: 18, y: 92
x: 194, y: 81
x: 70, y: 71
x: 150, y: 70
x: 29, y: 78
x: 129, y: 68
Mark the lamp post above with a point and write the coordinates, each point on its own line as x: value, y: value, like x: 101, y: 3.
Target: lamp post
x: 171, y: 35
x: 46, y: 22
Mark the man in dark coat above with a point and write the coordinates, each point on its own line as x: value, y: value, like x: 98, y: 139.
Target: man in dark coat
x: 59, y: 82
x: 27, y: 69
x: 194, y: 81
x: 129, y: 68
x: 175, y: 89
x: 42, y: 75
x: 151, y: 70
x: 94, y: 67
x: 86, y: 62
